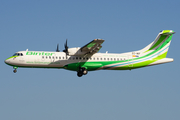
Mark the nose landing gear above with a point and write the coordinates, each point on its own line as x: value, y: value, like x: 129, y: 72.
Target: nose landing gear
x: 15, y: 69
x: 82, y: 71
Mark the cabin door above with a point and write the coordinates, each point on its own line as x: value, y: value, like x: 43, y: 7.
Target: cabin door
x: 130, y: 59
x: 53, y: 59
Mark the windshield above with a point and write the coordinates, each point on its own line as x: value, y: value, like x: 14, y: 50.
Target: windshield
x: 18, y: 54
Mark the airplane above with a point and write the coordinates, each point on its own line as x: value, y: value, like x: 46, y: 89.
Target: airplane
x: 87, y: 58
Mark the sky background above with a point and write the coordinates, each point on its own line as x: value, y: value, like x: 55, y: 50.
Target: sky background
x: 151, y: 93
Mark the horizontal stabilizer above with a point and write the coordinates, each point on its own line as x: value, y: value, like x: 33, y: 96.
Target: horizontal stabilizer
x: 161, y: 61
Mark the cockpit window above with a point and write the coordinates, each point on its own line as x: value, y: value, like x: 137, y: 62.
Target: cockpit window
x: 15, y: 54
x: 18, y: 54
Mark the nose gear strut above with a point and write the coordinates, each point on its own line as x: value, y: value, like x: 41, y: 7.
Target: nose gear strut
x: 15, y: 69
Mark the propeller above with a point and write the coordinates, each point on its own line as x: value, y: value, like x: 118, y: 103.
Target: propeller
x: 57, y: 50
x: 66, y: 48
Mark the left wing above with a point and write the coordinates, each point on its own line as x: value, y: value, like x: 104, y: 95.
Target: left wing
x: 93, y: 47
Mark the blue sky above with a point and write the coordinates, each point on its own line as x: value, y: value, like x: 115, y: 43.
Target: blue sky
x: 44, y: 94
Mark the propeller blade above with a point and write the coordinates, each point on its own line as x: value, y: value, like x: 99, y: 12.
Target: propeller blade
x: 57, y: 50
x: 66, y: 48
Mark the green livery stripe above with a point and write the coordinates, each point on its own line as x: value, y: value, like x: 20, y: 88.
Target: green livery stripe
x: 11, y: 57
x: 88, y: 65
x: 161, y: 39
x: 141, y: 64
x: 168, y: 32
x: 158, y: 42
x: 141, y: 59
x: 153, y: 52
x: 165, y: 43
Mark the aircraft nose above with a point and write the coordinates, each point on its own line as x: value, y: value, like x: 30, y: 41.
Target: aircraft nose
x: 6, y: 61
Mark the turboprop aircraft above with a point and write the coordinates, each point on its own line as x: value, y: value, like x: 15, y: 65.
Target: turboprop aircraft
x: 87, y: 58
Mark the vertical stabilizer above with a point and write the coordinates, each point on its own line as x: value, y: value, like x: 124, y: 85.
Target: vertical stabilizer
x: 161, y: 42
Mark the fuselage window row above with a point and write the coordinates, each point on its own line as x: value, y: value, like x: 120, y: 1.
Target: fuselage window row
x: 80, y: 58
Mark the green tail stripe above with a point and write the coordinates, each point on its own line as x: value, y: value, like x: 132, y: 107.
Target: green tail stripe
x: 141, y: 64
x: 158, y: 42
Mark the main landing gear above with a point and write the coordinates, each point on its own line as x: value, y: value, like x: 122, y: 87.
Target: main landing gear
x: 82, y: 71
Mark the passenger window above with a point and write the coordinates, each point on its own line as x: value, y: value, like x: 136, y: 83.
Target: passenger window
x: 56, y: 57
x: 46, y: 57
x: 104, y: 58
x: 62, y: 57
x: 49, y: 57
x: 43, y: 57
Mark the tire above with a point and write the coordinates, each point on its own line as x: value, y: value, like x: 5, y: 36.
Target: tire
x: 79, y: 74
x: 14, y: 71
x: 85, y: 72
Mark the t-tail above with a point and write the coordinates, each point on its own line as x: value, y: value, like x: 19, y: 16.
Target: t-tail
x: 155, y: 53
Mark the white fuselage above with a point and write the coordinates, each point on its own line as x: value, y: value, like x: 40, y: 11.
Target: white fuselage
x: 59, y: 59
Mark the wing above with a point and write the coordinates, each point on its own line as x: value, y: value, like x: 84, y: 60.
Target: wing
x: 93, y: 47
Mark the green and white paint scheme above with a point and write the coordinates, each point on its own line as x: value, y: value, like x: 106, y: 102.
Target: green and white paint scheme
x: 86, y: 58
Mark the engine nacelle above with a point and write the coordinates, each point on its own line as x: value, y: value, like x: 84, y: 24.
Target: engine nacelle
x: 75, y: 51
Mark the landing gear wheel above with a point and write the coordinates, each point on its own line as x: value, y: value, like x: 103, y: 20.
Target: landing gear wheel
x: 14, y: 70
x: 79, y: 74
x: 82, y: 71
x: 85, y: 72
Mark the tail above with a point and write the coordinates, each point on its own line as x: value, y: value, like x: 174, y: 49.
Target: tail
x: 160, y: 45
x: 155, y: 53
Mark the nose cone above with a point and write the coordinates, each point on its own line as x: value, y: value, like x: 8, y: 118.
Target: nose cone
x: 6, y: 61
